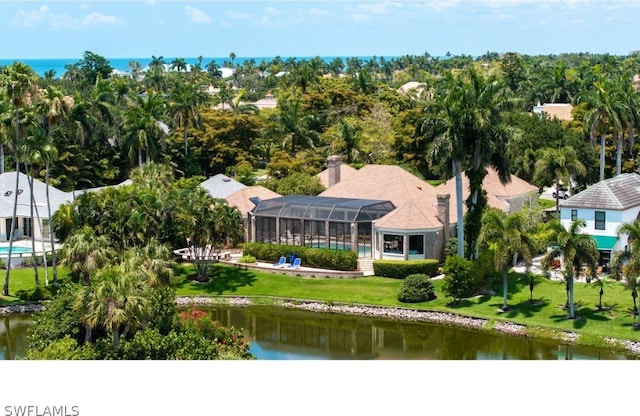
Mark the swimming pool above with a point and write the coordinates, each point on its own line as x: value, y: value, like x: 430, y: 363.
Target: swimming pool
x: 5, y: 250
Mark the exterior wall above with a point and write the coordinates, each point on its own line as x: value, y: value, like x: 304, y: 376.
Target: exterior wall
x: 516, y: 203
x: 434, y: 241
x: 613, y: 220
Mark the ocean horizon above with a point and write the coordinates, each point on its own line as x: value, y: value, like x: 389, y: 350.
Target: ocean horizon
x: 40, y: 66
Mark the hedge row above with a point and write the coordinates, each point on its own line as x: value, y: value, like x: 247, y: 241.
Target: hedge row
x: 311, y: 257
x: 399, y: 269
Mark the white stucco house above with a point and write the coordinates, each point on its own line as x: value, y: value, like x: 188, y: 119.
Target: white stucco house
x: 604, y: 207
x: 24, y: 226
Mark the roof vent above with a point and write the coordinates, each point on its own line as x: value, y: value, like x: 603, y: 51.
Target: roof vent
x: 226, y: 179
x: 19, y: 191
x: 8, y: 193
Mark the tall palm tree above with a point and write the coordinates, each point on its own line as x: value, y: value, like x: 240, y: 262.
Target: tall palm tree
x: 157, y: 63
x: 55, y: 107
x: 19, y: 86
x: 576, y: 249
x: 508, y: 233
x: 556, y: 166
x: 468, y: 132
x: 142, y: 126
x: 293, y: 125
x: 604, y: 114
x: 186, y: 97
x: 179, y: 64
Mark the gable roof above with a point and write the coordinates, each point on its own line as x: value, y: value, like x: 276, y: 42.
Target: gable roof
x: 242, y: 198
x: 221, y: 186
x: 23, y: 209
x: 560, y: 110
x: 617, y: 193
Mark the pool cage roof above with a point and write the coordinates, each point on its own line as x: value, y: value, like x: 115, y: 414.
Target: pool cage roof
x: 320, y: 208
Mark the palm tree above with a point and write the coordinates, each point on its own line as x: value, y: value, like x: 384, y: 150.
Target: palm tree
x: 179, y: 64
x: 351, y: 139
x: 468, y: 132
x: 19, y: 85
x: 157, y: 63
x: 152, y: 263
x: 113, y: 300
x: 55, y: 107
x: 508, y: 233
x: 293, y: 125
x: 600, y: 283
x: 557, y: 166
x: 604, y: 114
x: 84, y: 252
x: 576, y: 250
x: 142, y: 126
x: 185, y: 100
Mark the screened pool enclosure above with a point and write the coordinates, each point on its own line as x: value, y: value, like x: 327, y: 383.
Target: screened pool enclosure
x: 320, y: 222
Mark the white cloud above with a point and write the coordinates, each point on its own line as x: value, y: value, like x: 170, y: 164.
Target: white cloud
x: 44, y: 16
x: 197, y: 15
x: 358, y: 17
x: 378, y: 7
x: 317, y: 12
x: 239, y: 16
x: 99, y: 18
x: 28, y: 19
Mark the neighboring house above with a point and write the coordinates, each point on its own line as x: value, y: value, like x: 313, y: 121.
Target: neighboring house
x: 25, y: 227
x: 245, y: 200
x: 221, y: 186
x: 509, y: 197
x: 604, y: 207
x: 560, y: 111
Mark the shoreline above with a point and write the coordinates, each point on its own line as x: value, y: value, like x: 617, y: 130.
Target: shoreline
x: 399, y: 314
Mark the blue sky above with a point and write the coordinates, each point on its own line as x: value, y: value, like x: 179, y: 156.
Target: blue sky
x: 263, y: 28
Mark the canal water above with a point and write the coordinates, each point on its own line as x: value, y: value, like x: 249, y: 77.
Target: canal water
x: 283, y: 334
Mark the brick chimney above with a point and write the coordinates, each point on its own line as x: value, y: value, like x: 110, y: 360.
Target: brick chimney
x: 443, y: 213
x: 334, y: 163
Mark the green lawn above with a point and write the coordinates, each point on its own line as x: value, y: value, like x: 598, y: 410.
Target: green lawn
x: 614, y: 321
x: 23, y: 279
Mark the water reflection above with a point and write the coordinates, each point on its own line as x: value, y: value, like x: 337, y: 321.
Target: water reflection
x: 283, y: 334
x: 13, y: 336
x: 280, y: 334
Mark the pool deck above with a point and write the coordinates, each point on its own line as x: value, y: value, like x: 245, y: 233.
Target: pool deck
x: 301, y: 271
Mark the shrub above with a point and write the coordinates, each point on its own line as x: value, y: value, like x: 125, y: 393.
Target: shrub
x: 458, y: 282
x: 312, y: 257
x: 416, y: 288
x: 399, y: 269
x: 247, y: 259
x: 37, y: 293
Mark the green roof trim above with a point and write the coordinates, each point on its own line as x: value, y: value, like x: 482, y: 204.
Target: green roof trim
x: 605, y: 242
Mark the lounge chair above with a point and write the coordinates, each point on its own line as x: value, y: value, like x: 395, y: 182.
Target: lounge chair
x: 280, y: 262
x: 295, y: 264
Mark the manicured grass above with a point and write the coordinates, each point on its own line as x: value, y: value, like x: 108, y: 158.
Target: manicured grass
x: 23, y: 278
x: 547, y: 311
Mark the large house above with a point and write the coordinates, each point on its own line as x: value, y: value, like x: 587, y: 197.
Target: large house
x: 24, y: 226
x: 381, y: 211
x: 604, y: 207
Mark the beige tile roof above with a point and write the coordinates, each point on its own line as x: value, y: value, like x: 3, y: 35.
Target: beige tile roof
x: 496, y: 191
x: 346, y: 172
x: 240, y: 198
x: 561, y: 111
x: 416, y: 198
x: 411, y: 216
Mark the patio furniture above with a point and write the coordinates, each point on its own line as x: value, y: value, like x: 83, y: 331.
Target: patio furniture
x: 281, y: 263
x: 296, y: 263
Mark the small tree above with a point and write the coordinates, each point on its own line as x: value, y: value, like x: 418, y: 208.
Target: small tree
x: 600, y: 283
x: 458, y: 281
